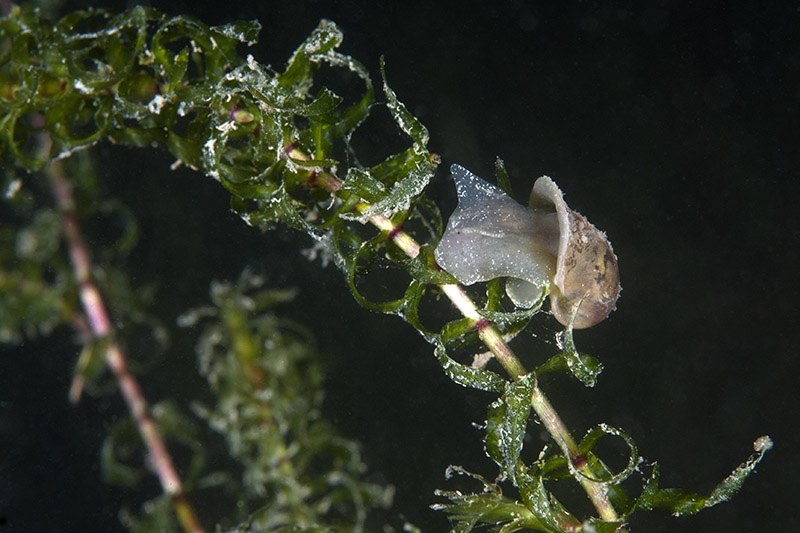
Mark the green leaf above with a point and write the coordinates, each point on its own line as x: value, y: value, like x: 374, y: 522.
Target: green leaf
x: 361, y: 183
x: 680, y: 502
x: 407, y: 122
x: 467, y: 376
x: 121, y: 442
x: 244, y: 31
x: 456, y: 330
x: 560, y: 363
x: 406, y: 176
x: 510, y: 322
x: 506, y: 425
x: 543, y: 506
x: 590, y: 440
x: 325, y: 38
x: 160, y: 516
x: 585, y: 369
x: 423, y: 268
x: 473, y: 510
x: 502, y: 177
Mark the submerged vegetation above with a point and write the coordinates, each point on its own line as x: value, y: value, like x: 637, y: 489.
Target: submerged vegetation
x: 279, y: 143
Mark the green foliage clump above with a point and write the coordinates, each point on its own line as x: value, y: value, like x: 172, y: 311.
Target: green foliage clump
x: 144, y: 79
x: 297, y: 471
x: 33, y: 301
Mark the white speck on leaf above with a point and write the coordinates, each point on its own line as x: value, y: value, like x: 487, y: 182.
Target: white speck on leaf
x: 155, y: 105
x: 227, y: 126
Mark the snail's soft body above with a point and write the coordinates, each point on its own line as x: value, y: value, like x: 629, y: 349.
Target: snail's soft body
x: 489, y: 235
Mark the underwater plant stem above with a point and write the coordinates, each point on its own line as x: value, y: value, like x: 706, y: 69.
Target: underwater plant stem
x: 244, y: 347
x: 399, y: 237
x: 493, y: 340
x: 101, y: 329
x: 487, y: 332
x: 555, y: 426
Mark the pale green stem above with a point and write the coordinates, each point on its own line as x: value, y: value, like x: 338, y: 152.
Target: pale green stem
x: 555, y: 426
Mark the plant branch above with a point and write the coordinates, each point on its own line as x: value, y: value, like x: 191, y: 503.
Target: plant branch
x: 492, y: 338
x: 101, y: 329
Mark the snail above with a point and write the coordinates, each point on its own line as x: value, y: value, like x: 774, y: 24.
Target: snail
x: 490, y: 235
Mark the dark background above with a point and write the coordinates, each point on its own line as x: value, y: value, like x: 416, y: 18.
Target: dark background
x: 672, y: 126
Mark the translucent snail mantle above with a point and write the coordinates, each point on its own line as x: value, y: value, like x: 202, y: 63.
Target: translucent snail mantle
x: 489, y: 235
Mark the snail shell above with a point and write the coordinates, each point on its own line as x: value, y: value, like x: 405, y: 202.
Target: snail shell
x: 489, y: 235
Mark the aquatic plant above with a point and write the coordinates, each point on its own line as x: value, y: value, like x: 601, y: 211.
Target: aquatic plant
x: 279, y: 142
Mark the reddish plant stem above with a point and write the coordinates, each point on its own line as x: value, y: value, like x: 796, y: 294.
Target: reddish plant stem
x: 101, y: 329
